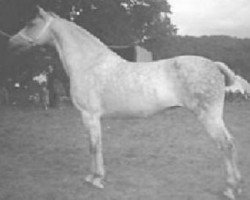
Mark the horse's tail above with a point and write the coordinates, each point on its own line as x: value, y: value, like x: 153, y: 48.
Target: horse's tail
x: 234, y: 83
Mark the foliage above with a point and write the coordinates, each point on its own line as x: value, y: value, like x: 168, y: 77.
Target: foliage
x: 233, y: 51
x: 119, y: 22
x: 116, y: 22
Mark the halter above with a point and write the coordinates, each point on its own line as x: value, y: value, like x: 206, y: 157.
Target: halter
x: 33, y: 40
x: 5, y: 34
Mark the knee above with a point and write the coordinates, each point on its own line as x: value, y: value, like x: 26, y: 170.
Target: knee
x: 230, y: 144
x: 227, y: 144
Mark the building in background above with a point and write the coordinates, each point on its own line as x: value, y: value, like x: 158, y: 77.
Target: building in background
x: 133, y: 53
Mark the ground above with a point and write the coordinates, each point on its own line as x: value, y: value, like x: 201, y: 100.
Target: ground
x: 44, y: 156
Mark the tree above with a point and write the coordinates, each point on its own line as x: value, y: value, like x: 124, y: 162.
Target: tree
x: 115, y: 22
x: 119, y: 22
x: 232, y: 51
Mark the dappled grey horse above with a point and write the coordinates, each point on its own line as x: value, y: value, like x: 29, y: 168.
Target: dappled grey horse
x: 103, y: 84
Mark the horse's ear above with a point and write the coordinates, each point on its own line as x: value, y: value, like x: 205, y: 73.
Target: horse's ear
x: 41, y: 11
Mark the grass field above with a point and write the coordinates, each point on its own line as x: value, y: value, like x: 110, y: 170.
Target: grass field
x: 44, y: 156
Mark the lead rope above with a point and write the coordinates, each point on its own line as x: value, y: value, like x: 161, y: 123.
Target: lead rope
x: 5, y: 34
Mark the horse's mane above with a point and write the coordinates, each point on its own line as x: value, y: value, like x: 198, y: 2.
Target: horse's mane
x: 79, y: 29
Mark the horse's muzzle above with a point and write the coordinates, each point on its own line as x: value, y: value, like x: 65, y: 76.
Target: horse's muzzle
x: 18, y: 45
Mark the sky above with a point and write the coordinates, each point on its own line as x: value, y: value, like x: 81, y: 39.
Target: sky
x: 211, y: 17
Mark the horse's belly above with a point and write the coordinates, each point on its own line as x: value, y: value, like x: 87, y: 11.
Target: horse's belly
x: 138, y: 103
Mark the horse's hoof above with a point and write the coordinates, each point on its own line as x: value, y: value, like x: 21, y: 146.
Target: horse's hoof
x: 229, y: 194
x: 95, y: 181
x: 89, y: 178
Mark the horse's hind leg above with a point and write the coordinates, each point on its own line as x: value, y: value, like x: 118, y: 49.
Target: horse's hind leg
x: 92, y: 122
x: 215, y: 126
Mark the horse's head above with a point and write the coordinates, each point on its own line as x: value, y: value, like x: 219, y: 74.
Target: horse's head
x: 36, y: 32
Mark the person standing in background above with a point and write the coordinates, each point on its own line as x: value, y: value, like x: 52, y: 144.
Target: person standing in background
x: 53, y: 97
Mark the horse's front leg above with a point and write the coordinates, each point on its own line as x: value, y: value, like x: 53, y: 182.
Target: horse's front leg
x: 92, y: 122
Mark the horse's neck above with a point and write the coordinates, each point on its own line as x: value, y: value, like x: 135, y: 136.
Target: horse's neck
x: 77, y: 48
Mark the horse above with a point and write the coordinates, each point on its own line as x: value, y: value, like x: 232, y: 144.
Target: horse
x: 102, y: 84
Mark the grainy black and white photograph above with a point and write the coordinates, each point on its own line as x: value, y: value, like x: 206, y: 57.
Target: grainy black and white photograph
x: 124, y: 100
